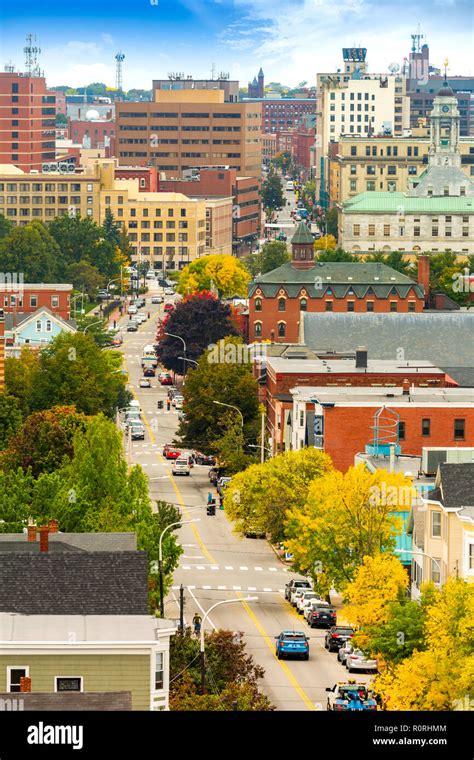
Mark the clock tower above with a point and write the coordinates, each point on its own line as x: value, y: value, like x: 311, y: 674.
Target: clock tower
x: 444, y: 119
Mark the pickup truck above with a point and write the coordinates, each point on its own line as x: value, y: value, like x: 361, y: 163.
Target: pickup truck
x: 293, y: 585
x: 350, y: 696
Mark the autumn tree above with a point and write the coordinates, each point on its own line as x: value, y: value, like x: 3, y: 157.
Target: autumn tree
x: 325, y: 243
x: 221, y: 271
x: 259, y: 497
x: 347, y: 516
x: 201, y: 320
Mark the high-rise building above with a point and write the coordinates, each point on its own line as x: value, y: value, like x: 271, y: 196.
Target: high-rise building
x: 27, y: 120
x: 184, y: 129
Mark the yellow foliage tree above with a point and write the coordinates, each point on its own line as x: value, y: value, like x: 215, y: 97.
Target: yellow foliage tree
x: 258, y: 497
x: 325, y: 243
x: 346, y: 517
x: 377, y: 582
x: 221, y: 271
x: 442, y: 676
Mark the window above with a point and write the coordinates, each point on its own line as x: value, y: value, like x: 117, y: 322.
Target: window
x: 371, y: 229
x: 350, y: 305
x: 281, y: 329
x: 411, y: 305
x: 459, y: 429
x: 369, y: 305
x: 370, y: 185
x: 54, y: 302
x: 14, y: 673
x: 353, y: 185
x: 39, y: 326
x: 353, y: 169
x: 425, y: 427
x: 371, y: 169
x: 356, y: 230
x: 159, y: 670
x: 435, y: 574
x: 393, y: 306
x: 386, y: 230
x: 281, y: 304
x: 303, y: 304
x: 436, y: 524
x: 48, y: 325
x: 401, y: 431
x: 353, y: 150
x: 471, y: 557
x: 68, y: 683
x: 412, y: 170
x: 258, y: 304
x: 328, y: 305
x: 33, y: 300
x: 416, y: 231
x: 258, y: 329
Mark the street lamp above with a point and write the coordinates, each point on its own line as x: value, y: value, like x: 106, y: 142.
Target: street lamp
x: 172, y: 335
x: 206, y: 615
x: 423, y: 554
x: 115, y: 280
x: 160, y: 557
x: 99, y: 322
x: 231, y: 406
x: 190, y: 361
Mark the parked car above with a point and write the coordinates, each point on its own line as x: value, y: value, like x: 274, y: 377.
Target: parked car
x: 322, y: 616
x: 350, y: 696
x: 156, y: 299
x: 132, y: 309
x: 169, y: 292
x: 201, y: 458
x: 132, y: 417
x: 168, y: 306
x: 337, y: 636
x: 296, y: 583
x: 344, y: 651
x: 181, y: 466
x: 144, y: 382
x: 169, y: 452
x: 117, y: 341
x: 165, y: 379
x: 214, y: 474
x: 357, y: 660
x: 132, y: 326
x: 176, y: 398
x: 296, y: 594
x: 306, y: 599
x: 178, y: 403
x: 140, y: 317
x: 292, y: 644
x: 149, y: 372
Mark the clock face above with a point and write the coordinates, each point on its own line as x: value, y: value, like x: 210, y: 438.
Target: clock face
x: 445, y: 109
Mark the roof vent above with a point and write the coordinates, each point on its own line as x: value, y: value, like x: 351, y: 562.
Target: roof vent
x: 350, y: 278
x: 376, y: 278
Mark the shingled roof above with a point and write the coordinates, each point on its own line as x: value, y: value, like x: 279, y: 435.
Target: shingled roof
x: 455, y: 487
x: 302, y: 235
x: 74, y: 583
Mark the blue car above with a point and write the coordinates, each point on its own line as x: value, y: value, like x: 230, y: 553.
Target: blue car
x: 292, y: 644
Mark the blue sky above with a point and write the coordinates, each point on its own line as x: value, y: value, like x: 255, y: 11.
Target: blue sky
x: 291, y: 39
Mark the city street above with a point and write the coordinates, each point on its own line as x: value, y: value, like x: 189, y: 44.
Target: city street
x: 216, y: 564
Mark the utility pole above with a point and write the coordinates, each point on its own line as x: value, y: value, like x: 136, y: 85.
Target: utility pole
x: 181, y: 609
x: 262, y: 442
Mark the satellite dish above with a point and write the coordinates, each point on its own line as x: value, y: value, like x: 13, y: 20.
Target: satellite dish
x: 394, y: 68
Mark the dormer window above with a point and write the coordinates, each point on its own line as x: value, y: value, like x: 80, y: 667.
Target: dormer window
x: 281, y: 304
x: 258, y: 304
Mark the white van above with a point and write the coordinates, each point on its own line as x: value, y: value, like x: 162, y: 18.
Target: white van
x: 290, y: 185
x: 135, y: 405
x: 181, y: 466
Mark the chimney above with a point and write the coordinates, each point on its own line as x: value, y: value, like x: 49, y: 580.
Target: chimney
x: 25, y: 684
x: 424, y: 275
x: 31, y: 533
x: 361, y: 357
x: 44, y: 540
x: 406, y: 387
x: 53, y: 526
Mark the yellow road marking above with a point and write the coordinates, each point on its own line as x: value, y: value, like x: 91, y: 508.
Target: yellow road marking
x: 299, y: 690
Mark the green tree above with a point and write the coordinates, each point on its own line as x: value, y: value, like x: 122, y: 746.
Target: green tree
x: 223, y: 374
x: 111, y: 228
x: 229, y: 447
x: 336, y: 255
x: 282, y: 160
x: 61, y: 120
x: 21, y: 375
x: 15, y: 496
x: 74, y: 371
x: 272, y: 193
x: 43, y: 440
x: 332, y: 227
x: 32, y: 252
x: 274, y: 255
x: 85, y: 277
x: 76, y: 238
x: 10, y: 418
x: 6, y: 226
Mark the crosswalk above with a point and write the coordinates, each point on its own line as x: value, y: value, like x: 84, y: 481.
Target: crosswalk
x: 263, y: 590
x: 239, y: 568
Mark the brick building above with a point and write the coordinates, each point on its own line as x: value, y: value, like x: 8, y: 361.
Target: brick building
x: 345, y: 421
x: 148, y: 177
x: 27, y: 121
x: 26, y: 298
x: 277, y: 298
x: 279, y: 114
x: 93, y: 132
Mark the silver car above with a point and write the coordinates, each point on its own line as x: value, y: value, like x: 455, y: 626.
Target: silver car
x: 344, y: 651
x: 357, y: 660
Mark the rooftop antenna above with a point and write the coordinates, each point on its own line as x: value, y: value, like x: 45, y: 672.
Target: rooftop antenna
x: 118, y: 70
x: 31, y: 51
x: 415, y: 41
x: 213, y: 71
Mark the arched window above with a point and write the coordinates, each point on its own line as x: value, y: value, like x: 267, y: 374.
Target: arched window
x: 281, y: 304
x: 258, y: 304
x: 303, y: 304
x: 258, y: 329
x: 48, y: 325
x: 281, y: 329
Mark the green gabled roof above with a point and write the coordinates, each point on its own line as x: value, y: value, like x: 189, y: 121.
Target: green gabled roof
x: 339, y: 276
x: 302, y: 235
x: 392, y: 203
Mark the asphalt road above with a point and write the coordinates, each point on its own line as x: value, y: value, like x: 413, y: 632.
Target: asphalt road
x: 218, y: 565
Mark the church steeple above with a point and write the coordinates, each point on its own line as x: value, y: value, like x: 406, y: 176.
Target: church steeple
x: 302, y: 248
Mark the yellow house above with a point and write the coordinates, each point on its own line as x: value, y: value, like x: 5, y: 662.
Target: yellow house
x: 443, y: 528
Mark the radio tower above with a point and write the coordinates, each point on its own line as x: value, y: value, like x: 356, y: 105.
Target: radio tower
x: 31, y: 52
x: 118, y: 70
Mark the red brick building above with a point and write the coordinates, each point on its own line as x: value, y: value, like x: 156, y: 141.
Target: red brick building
x: 346, y: 421
x: 99, y: 133
x: 277, y: 298
x: 282, y: 113
x: 25, y: 298
x: 225, y: 183
x: 27, y: 121
x: 148, y: 177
